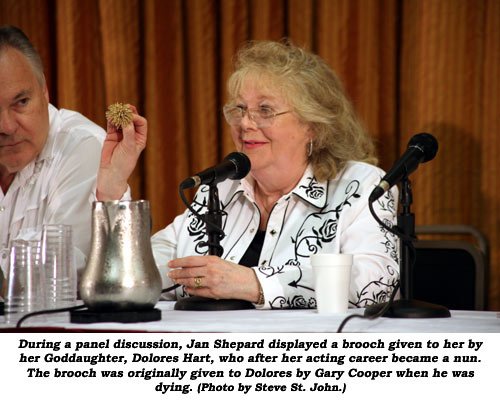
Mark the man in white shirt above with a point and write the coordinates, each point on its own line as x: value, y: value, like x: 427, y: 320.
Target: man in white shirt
x: 48, y: 157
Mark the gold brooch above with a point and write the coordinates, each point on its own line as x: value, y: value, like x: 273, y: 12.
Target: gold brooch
x: 119, y: 115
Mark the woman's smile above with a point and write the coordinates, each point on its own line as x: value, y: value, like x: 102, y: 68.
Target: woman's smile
x: 251, y: 144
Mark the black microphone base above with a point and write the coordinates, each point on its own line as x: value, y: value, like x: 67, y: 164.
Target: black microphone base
x: 210, y: 304
x: 409, y: 308
x: 120, y: 316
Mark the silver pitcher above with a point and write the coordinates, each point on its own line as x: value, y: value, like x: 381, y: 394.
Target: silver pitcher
x: 121, y: 273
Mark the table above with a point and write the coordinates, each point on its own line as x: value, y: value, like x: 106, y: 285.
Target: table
x: 275, y: 321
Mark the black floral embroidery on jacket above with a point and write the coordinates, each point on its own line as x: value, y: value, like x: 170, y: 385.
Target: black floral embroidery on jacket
x: 380, y: 291
x: 296, y: 302
x: 376, y: 291
x: 328, y: 231
x: 323, y: 225
x: 313, y: 190
x: 387, y: 203
x: 317, y: 229
x: 270, y: 270
x: 390, y: 243
x: 196, y: 226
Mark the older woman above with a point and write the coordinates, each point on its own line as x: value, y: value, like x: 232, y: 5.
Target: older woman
x: 307, y: 191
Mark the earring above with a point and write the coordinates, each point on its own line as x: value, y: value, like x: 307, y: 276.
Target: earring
x: 310, y: 150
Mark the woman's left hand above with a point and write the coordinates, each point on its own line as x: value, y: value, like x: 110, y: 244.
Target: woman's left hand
x: 212, y: 277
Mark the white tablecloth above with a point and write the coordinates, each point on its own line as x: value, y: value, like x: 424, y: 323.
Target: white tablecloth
x: 279, y: 321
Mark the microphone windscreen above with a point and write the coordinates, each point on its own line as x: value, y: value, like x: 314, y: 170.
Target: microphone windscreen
x: 427, y: 143
x: 242, y: 163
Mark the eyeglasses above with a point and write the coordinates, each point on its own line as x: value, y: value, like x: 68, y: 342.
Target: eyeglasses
x: 262, y: 117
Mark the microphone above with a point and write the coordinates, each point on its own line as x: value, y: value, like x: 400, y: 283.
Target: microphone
x: 235, y: 166
x: 421, y: 148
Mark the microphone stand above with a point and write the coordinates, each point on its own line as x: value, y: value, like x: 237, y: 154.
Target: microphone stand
x: 214, y: 216
x: 406, y: 306
x: 213, y: 228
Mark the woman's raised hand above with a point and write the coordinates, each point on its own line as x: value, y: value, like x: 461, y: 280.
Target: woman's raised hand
x: 120, y: 152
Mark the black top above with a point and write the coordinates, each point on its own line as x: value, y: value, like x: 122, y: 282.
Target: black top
x: 252, y: 255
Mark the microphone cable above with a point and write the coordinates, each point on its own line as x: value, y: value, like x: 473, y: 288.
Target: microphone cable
x: 170, y: 288
x: 393, y: 230
x: 48, y: 311
x: 71, y: 308
x: 374, y: 316
x: 413, y: 255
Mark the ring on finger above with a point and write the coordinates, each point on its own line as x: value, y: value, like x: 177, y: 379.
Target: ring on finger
x: 197, y: 282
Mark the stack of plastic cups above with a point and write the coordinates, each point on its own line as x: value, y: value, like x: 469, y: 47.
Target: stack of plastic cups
x: 35, y: 249
x: 59, y: 266
x: 25, y: 291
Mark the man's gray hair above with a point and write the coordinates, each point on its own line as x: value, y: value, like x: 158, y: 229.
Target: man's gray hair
x: 10, y: 36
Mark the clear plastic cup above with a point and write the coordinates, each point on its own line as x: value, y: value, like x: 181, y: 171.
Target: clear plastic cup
x: 35, y: 250
x: 59, y: 265
x: 25, y: 292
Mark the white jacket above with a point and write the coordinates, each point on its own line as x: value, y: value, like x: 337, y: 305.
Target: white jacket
x: 316, y: 217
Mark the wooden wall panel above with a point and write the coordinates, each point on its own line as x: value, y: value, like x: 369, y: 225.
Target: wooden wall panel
x: 301, y: 22
x: 358, y: 39
x: 80, y: 72
x: 489, y: 143
x: 267, y: 19
x: 234, y: 30
x: 448, y: 77
x: 164, y: 85
x: 202, y: 90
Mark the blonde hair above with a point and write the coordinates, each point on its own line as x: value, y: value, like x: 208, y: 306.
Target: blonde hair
x: 317, y: 98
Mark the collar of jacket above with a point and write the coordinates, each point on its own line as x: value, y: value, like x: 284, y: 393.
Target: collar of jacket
x: 309, y: 189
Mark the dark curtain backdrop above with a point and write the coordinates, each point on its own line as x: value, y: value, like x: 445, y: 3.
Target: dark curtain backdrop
x: 408, y: 65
